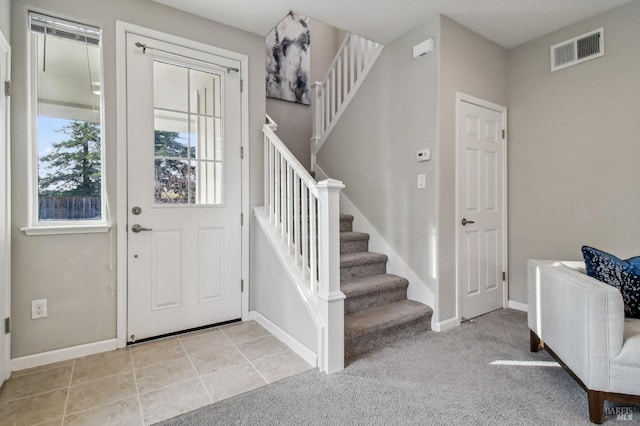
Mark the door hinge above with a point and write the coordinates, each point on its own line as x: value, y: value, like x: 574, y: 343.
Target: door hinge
x: 7, y: 88
x: 241, y: 152
x: 7, y: 325
x: 241, y: 86
x: 503, y: 133
x: 241, y: 286
x: 241, y: 219
x: 504, y: 276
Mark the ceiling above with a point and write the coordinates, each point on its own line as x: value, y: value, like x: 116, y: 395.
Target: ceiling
x: 508, y: 23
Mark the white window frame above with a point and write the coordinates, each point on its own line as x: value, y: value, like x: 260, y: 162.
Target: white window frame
x: 50, y: 227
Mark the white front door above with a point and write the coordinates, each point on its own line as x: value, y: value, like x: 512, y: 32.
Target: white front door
x: 5, y: 216
x: 184, y: 188
x: 481, y: 206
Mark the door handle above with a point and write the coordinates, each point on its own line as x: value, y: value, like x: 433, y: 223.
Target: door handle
x: 138, y: 228
x: 465, y: 222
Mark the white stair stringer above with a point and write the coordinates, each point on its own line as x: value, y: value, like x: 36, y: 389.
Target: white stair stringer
x: 331, y: 96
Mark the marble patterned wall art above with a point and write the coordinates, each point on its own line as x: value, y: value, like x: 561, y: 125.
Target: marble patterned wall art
x: 288, y: 60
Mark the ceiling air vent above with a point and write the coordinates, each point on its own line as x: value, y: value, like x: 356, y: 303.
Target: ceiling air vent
x: 577, y: 50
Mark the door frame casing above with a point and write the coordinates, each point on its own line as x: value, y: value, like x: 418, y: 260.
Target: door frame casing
x: 122, y: 28
x: 5, y: 184
x: 462, y: 97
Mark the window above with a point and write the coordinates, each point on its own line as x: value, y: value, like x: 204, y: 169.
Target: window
x: 66, y: 82
x: 188, y: 135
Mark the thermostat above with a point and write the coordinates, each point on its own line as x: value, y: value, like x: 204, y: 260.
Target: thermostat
x: 423, y: 155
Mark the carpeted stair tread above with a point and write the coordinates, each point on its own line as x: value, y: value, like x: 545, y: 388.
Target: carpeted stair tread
x: 353, y: 242
x: 362, y: 258
x: 346, y: 223
x: 353, y: 236
x: 374, y: 320
x: 372, y: 284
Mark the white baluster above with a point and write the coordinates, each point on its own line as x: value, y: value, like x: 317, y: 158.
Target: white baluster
x: 289, y: 208
x: 283, y: 196
x: 296, y: 219
x: 313, y: 245
x: 276, y: 189
x: 352, y: 62
x: 327, y: 104
x: 345, y: 72
x: 333, y: 93
x: 305, y: 232
x: 265, y: 167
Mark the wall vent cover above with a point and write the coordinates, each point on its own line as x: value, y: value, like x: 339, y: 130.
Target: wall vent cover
x: 577, y: 50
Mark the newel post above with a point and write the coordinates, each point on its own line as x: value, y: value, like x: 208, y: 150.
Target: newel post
x: 317, y: 112
x: 331, y: 352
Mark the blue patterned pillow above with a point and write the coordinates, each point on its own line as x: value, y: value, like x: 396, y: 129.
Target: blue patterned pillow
x: 632, y: 289
x: 621, y: 274
x: 635, y: 262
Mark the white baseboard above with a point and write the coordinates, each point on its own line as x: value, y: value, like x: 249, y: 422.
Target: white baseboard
x: 63, y: 354
x: 445, y: 325
x: 304, y: 352
x: 518, y: 306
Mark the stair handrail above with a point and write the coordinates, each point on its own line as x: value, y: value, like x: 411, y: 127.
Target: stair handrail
x: 271, y: 123
x: 294, y: 202
x: 331, y: 96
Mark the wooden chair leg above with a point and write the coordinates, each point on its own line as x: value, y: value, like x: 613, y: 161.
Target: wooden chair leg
x: 534, y: 341
x: 596, y: 406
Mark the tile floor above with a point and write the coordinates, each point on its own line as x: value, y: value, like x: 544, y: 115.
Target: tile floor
x: 146, y: 383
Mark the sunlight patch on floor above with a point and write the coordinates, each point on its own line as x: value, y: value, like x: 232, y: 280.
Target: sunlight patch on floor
x: 526, y: 363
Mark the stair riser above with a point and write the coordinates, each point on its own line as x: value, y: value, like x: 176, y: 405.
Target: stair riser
x: 360, y: 271
x: 365, y: 301
x: 357, y: 346
x: 346, y: 226
x: 357, y: 246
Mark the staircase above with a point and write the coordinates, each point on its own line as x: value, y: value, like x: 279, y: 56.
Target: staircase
x: 355, y: 306
x: 376, y: 307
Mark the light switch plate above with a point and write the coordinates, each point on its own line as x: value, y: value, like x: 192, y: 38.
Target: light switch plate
x: 422, y: 181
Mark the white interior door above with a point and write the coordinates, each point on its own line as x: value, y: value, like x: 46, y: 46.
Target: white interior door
x: 184, y: 188
x: 481, y: 218
x: 5, y: 215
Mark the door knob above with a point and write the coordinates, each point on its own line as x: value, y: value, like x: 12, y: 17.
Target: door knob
x: 464, y: 222
x: 138, y: 228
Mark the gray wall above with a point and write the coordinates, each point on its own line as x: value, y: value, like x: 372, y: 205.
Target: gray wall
x: 294, y: 120
x: 373, y: 147
x: 475, y: 66
x: 573, y: 148
x: 5, y: 19
x: 72, y: 271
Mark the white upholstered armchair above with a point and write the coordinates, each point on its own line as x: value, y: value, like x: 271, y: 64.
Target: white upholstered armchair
x: 580, y: 322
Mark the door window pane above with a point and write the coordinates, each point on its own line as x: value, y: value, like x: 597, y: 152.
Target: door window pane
x: 174, y: 182
x: 207, y: 142
x: 188, y: 141
x: 169, y: 84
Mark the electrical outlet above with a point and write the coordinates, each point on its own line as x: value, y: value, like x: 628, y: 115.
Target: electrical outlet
x: 39, y: 309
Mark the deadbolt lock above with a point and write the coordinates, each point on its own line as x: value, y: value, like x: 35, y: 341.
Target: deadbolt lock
x: 136, y: 210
